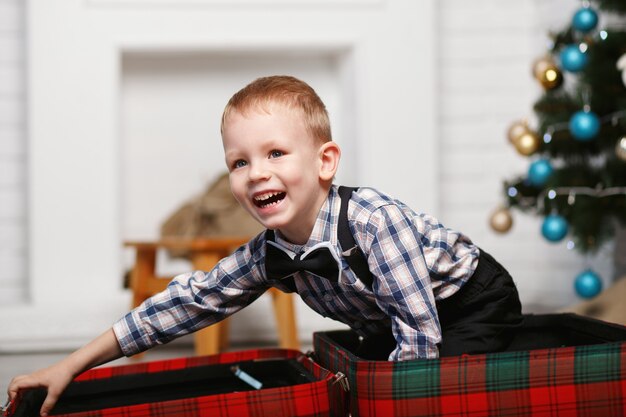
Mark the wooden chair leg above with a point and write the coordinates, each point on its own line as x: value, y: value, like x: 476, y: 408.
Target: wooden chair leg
x: 208, y: 340
x: 285, y: 314
x: 224, y: 333
x: 143, y: 272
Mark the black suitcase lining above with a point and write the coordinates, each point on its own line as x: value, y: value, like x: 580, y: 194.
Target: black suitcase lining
x: 125, y: 390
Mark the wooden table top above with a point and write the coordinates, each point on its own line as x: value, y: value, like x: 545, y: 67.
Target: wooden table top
x: 195, y: 244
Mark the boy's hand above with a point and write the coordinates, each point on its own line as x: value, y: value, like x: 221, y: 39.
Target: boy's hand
x: 55, y: 379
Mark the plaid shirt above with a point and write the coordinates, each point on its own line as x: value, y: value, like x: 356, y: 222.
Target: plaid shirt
x: 415, y: 261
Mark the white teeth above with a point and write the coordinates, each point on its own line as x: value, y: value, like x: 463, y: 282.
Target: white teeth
x: 268, y: 199
x: 264, y: 197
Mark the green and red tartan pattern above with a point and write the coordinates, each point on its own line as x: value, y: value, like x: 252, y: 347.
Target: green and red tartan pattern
x: 562, y: 382
x: 316, y: 399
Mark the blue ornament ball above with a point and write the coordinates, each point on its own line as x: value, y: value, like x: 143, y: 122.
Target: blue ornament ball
x: 554, y: 227
x: 539, y: 172
x: 573, y: 59
x: 584, y: 125
x: 585, y: 19
x: 588, y: 284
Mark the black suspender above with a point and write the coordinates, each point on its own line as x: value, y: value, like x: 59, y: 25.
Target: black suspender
x: 351, y: 252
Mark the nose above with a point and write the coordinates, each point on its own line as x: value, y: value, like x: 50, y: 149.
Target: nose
x: 258, y: 172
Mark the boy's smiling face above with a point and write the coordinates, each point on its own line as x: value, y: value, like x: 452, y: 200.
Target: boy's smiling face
x: 279, y: 172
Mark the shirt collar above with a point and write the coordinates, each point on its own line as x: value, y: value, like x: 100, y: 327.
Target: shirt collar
x: 325, y: 227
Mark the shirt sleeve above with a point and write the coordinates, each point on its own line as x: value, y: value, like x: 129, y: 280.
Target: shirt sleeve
x: 402, y: 284
x: 195, y: 300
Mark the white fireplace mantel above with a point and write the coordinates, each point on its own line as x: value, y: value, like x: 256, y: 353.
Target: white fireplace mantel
x: 386, y: 54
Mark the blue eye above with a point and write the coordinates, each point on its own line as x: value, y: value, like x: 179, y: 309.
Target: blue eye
x: 276, y: 154
x: 240, y: 163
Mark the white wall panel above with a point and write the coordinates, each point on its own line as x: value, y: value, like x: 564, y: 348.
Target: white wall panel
x: 13, y: 225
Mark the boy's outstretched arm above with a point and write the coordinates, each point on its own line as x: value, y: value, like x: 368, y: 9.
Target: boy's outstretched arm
x: 56, y: 378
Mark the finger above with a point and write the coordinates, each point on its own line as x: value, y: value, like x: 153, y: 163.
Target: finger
x: 15, y: 386
x: 48, y: 403
x: 12, y: 393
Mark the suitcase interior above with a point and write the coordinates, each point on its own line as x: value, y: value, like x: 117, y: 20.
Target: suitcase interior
x: 560, y: 330
x: 124, y: 390
x: 538, y: 332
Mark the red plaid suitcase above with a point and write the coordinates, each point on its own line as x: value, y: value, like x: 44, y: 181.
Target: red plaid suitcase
x: 293, y: 386
x: 558, y: 365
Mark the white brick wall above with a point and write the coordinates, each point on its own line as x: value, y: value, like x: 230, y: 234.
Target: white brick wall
x: 486, y: 52
x: 486, y: 48
x: 13, y: 157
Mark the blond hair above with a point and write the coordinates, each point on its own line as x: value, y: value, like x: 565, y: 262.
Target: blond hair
x: 285, y: 90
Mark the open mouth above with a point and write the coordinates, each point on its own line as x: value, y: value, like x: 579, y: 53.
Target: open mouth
x: 268, y: 199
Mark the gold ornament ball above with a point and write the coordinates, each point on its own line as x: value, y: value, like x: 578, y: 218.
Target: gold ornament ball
x: 552, y: 78
x: 527, y: 144
x: 516, y: 130
x: 620, y: 148
x: 501, y: 220
x: 547, y: 73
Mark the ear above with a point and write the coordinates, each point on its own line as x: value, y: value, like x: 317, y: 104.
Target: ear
x: 329, y: 155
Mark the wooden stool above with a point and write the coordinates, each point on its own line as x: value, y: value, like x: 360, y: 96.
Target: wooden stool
x: 205, y: 253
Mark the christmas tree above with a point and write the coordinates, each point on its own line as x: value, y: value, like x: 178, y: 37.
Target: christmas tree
x: 576, y: 146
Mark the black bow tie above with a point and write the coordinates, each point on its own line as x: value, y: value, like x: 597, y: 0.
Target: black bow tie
x: 320, y: 261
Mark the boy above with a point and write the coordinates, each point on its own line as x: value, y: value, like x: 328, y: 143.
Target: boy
x: 419, y: 291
